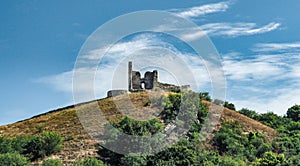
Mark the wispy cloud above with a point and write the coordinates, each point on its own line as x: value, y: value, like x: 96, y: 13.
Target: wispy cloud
x: 250, y: 70
x: 267, y: 82
x: 112, y: 71
x: 202, y: 10
x: 277, y: 47
x: 229, y: 30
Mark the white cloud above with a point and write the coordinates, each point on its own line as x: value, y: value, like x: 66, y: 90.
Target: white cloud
x: 202, y: 10
x: 61, y: 82
x: 278, y: 103
x: 229, y: 30
x: 146, y: 52
x: 278, y: 47
x: 264, y: 82
x: 251, y: 69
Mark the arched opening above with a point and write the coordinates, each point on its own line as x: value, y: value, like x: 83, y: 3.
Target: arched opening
x: 142, y: 85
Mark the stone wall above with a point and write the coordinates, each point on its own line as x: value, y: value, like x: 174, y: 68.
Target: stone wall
x: 113, y: 93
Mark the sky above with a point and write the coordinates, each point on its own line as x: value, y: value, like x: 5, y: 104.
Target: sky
x: 258, y: 43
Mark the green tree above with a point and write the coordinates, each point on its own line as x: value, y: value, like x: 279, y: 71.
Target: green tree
x: 249, y: 113
x: 204, y: 96
x: 229, y: 105
x: 294, y: 113
x: 270, y: 159
x: 34, y: 148
x: 90, y: 162
x: 271, y: 119
x: 5, y: 145
x: 134, y: 160
x: 13, y: 159
x: 52, y: 142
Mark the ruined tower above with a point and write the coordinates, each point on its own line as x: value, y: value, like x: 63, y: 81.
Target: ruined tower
x: 136, y: 83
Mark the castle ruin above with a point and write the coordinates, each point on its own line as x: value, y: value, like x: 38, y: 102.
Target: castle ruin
x: 148, y: 82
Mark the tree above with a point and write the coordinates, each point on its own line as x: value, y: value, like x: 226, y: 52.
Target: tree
x: 52, y: 142
x: 134, y: 160
x: 13, y: 159
x: 294, y: 113
x: 5, y: 145
x: 34, y: 149
x: 249, y: 113
x: 270, y: 159
x: 229, y: 105
x: 271, y: 119
x: 204, y: 96
x: 90, y: 162
x: 40, y: 146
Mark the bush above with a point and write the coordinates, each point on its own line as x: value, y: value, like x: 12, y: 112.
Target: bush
x: 249, y: 113
x: 270, y: 159
x: 13, y: 159
x: 52, y: 142
x: 52, y: 162
x: 34, y: 149
x: 5, y: 145
x: 45, y: 145
x: 90, y: 162
x: 229, y: 105
x: 294, y: 113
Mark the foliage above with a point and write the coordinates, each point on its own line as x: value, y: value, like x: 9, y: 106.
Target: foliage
x: 171, y: 107
x: 34, y: 146
x: 12, y: 159
x: 133, y: 127
x: 52, y: 162
x: 229, y: 105
x: 231, y: 144
x: 294, y: 113
x: 271, y: 119
x: 52, y: 142
x: 204, y: 96
x: 134, y: 160
x: 249, y: 113
x: 270, y: 159
x: 231, y: 140
x: 90, y: 162
x: 5, y: 145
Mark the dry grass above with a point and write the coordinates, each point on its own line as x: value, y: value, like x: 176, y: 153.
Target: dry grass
x: 78, y: 144
x: 247, y: 123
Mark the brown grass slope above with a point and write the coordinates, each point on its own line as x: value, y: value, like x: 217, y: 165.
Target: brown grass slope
x: 78, y: 144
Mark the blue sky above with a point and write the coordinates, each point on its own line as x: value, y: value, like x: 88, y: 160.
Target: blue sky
x: 258, y: 42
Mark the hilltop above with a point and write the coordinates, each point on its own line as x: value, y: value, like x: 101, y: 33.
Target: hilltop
x: 78, y: 144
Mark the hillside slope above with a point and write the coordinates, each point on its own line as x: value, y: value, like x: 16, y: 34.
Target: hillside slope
x: 78, y: 144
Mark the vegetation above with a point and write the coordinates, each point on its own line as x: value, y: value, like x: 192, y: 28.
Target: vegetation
x: 233, y: 143
x: 32, y: 147
x: 89, y: 162
x: 13, y: 159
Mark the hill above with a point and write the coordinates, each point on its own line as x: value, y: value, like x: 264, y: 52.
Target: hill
x: 78, y: 144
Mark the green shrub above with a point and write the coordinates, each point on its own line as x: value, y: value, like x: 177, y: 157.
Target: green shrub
x: 52, y: 142
x: 90, y: 162
x: 34, y: 149
x: 52, y: 162
x: 270, y: 159
x: 5, y: 145
x: 294, y: 113
x: 44, y: 145
x: 13, y: 159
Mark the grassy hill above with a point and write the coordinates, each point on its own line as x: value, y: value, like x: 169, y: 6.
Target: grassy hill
x: 79, y: 145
